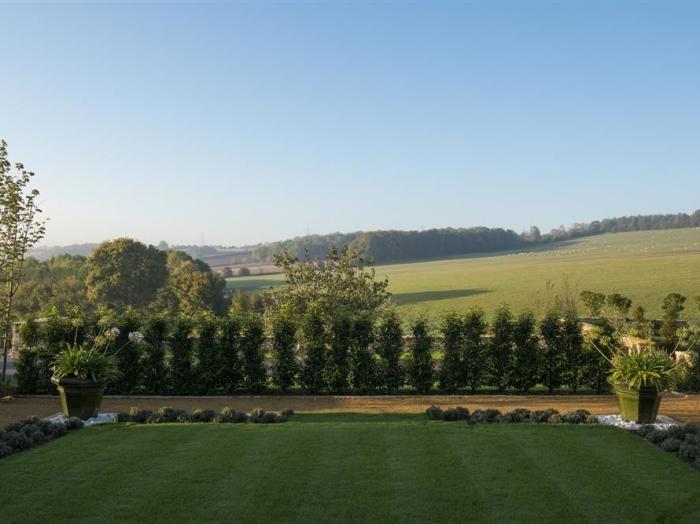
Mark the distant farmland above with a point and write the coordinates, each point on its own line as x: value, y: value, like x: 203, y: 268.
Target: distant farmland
x: 644, y: 265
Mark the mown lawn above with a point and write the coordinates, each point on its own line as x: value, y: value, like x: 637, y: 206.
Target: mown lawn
x: 644, y: 265
x: 349, y: 468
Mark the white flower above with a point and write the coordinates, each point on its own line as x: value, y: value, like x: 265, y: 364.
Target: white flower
x: 112, y: 334
x: 135, y: 337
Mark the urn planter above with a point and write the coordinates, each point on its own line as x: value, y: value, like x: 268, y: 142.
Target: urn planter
x: 80, y: 398
x: 640, y: 405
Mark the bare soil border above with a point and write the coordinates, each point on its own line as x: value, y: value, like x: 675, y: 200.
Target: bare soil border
x: 681, y: 407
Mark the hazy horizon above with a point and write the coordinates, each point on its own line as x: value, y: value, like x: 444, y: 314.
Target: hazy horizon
x: 231, y: 124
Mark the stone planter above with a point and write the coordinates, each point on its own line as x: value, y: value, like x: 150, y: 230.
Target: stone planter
x: 79, y: 398
x: 638, y: 405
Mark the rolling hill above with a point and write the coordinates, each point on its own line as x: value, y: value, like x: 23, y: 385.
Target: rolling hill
x: 644, y: 265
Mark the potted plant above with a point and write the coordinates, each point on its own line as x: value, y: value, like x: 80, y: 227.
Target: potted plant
x: 80, y: 373
x: 639, y: 376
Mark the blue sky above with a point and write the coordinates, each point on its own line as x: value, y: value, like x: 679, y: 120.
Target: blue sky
x: 239, y: 123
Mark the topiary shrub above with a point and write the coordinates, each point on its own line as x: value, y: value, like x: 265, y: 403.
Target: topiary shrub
x: 74, y: 423
x: 488, y: 416
x: 671, y: 444
x: 591, y: 419
x: 576, y: 417
x: 542, y: 416
x: 517, y: 416
x: 30, y: 428
x: 643, y: 431
x: 166, y: 414
x: 141, y: 416
x: 5, y: 450
x: 692, y: 429
x: 240, y: 418
x: 656, y: 436
x: 203, y: 415
x: 434, y: 413
x: 555, y: 419
x: 227, y: 415
x: 269, y: 418
x: 38, y: 437
x: 688, y: 451
x: 123, y: 417
x: 287, y: 413
x: 454, y: 414
x: 17, y: 440
x: 182, y: 416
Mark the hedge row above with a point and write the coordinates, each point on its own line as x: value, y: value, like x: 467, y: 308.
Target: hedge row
x: 683, y: 441
x: 32, y: 432
x: 517, y: 416
x: 227, y: 415
x: 205, y: 354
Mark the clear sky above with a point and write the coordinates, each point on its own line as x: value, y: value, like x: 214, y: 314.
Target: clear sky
x: 239, y: 123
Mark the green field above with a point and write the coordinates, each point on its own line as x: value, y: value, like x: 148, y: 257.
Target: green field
x: 644, y: 265
x: 348, y: 468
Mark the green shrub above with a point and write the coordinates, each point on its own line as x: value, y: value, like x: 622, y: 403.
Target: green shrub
x: 284, y: 371
x: 474, y: 330
x: 74, y: 423
x: 240, y: 418
x: 500, y: 354
x: 182, y: 416
x: 363, y: 375
x: 389, y: 342
x: 689, y: 452
x: 555, y: 419
x: 17, y: 440
x: 227, y: 415
x: 5, y: 450
x: 231, y: 373
x: 154, y: 372
x: 526, y: 362
x: 434, y: 413
x: 579, y: 416
x: 181, y: 379
x: 128, y: 354
x: 287, y: 413
x: 655, y: 436
x: 671, y: 444
x: 314, y: 343
x: 28, y: 372
x: 517, y: 416
x: 454, y: 414
x: 553, y: 354
x: 486, y: 416
x: 203, y: 415
x: 338, y: 365
x: 542, y: 416
x: 209, y: 363
x: 167, y: 414
x: 451, y: 374
x: 252, y: 339
x: 138, y: 415
x: 421, y: 367
x: 123, y: 417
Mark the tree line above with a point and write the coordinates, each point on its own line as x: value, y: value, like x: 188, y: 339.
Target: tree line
x: 394, y: 245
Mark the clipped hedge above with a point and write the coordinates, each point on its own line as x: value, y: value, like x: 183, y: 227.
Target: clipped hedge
x: 683, y: 441
x: 517, y: 416
x: 32, y: 432
x: 227, y: 415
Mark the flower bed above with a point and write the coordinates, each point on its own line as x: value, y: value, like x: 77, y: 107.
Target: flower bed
x: 20, y: 436
x: 517, y: 416
x: 227, y: 415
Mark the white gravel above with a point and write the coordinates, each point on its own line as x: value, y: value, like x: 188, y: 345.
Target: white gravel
x: 101, y: 418
x: 661, y: 422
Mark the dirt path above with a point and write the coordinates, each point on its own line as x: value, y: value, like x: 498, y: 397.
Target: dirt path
x: 685, y: 408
